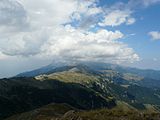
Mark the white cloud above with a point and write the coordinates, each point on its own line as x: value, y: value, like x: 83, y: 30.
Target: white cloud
x: 13, y: 16
x: 41, y: 16
x: 44, y: 34
x: 130, y: 21
x: 121, y: 13
x: 49, y: 13
x: 103, y: 45
x: 150, y: 2
x: 94, y: 11
x: 118, y: 17
x: 25, y: 43
x: 155, y: 35
x: 88, y: 7
x: 134, y: 4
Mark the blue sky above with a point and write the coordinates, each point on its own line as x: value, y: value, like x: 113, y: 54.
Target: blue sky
x: 36, y: 33
x: 147, y: 19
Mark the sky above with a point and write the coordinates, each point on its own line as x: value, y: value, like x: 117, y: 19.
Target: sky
x: 35, y: 33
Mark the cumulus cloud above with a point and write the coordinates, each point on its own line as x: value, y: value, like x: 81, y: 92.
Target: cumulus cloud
x: 13, y: 16
x: 25, y: 43
x: 121, y: 13
x: 155, y: 35
x: 103, y: 45
x: 47, y: 29
x: 118, y: 17
x: 86, y: 14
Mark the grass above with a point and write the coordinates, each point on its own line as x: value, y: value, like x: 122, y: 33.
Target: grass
x: 66, y: 112
x: 70, y: 77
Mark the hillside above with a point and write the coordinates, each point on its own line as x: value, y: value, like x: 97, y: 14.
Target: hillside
x: 70, y: 77
x: 24, y: 94
x: 110, y: 84
x: 79, y: 86
x: 51, y: 111
x: 66, y: 112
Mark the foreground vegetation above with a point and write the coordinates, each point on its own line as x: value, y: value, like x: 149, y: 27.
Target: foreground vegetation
x: 66, y: 112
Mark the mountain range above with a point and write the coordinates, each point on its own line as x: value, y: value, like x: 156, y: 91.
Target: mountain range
x: 76, y: 89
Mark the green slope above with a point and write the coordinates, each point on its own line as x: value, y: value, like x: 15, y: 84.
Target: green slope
x: 48, y: 112
x: 106, y: 85
x: 24, y: 94
x: 66, y: 112
x: 79, y: 86
x: 70, y: 77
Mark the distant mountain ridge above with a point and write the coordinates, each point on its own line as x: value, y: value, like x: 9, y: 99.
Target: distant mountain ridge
x: 148, y: 73
x: 85, y: 86
x: 150, y: 78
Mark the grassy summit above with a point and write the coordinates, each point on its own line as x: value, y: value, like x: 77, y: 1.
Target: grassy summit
x: 70, y: 77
